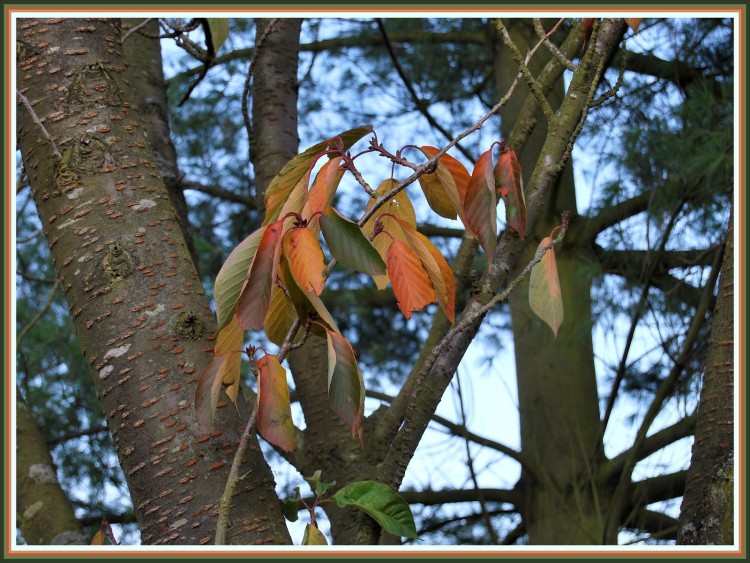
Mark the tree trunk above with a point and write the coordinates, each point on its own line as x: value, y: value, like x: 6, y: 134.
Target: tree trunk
x: 707, y: 513
x: 131, y: 286
x: 45, y: 515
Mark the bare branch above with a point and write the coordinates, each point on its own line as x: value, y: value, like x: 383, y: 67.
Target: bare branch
x: 551, y: 47
x: 35, y: 118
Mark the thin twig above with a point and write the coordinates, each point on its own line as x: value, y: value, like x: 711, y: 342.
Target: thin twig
x: 38, y: 122
x: 618, y: 84
x: 43, y: 311
x: 551, y: 47
x: 135, y: 28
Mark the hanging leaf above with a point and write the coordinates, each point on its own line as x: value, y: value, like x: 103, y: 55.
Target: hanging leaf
x: 280, y: 188
x: 274, y: 412
x: 380, y: 502
x: 290, y: 509
x: 322, y: 311
x: 440, y: 274
x: 219, y: 31
x: 253, y: 302
x: 346, y: 388
x: 455, y: 168
x: 410, y: 281
x: 480, y: 205
x: 444, y: 188
x: 280, y: 316
x: 313, y: 536
x: 297, y: 198
x: 509, y: 184
x: 99, y: 538
x: 634, y: 23
x: 207, y: 392
x: 231, y: 278
x: 322, y: 191
x: 349, y: 245
x: 400, y: 207
x: 229, y: 343
x: 545, y: 297
x: 305, y: 258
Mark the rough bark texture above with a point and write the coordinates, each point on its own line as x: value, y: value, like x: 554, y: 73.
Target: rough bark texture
x: 133, y: 292
x: 707, y: 514
x: 45, y: 515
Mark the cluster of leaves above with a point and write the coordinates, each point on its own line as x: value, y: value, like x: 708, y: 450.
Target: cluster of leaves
x: 274, y: 278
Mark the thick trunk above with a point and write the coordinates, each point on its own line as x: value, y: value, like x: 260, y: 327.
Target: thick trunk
x: 707, y: 514
x: 45, y: 515
x: 133, y: 292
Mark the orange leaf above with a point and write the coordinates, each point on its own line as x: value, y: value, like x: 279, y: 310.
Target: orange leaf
x: 410, y: 281
x: 274, y: 413
x: 297, y: 198
x: 454, y: 167
x: 256, y: 293
x: 441, y: 275
x: 99, y: 538
x: 634, y: 23
x: 229, y: 343
x: 323, y: 189
x: 207, y: 392
x: 545, y: 297
x: 305, y: 259
x: 480, y: 205
x: 509, y: 184
x: 346, y: 388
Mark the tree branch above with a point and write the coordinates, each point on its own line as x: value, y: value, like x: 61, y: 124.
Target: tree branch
x: 659, y: 525
x: 659, y: 488
x: 428, y: 497
x: 614, y: 214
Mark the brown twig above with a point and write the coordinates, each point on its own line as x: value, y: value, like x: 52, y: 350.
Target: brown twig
x: 551, y: 47
x: 38, y: 123
x: 135, y: 28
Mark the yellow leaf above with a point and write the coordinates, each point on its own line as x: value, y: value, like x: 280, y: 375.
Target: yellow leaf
x: 545, y: 297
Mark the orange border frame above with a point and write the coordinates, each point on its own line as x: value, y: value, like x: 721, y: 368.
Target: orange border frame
x: 299, y: 551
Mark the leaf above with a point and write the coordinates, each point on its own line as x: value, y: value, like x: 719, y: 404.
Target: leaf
x: 545, y: 297
x: 399, y: 206
x: 410, y: 281
x: 99, y: 538
x: 274, y: 412
x: 207, y: 392
x: 322, y: 191
x: 229, y: 343
x: 446, y: 187
x: 280, y: 188
x: 346, y: 388
x: 440, y: 272
x: 349, y: 245
x: 322, y: 311
x: 256, y: 294
x: 290, y: 509
x: 634, y: 23
x: 480, y: 205
x: 219, y: 30
x: 280, y: 316
x: 305, y: 258
x: 296, y: 199
x: 382, y: 503
x: 313, y: 536
x: 231, y: 278
x: 317, y: 485
x: 509, y: 185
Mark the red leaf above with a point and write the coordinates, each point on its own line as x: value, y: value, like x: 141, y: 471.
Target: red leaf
x: 207, y: 392
x: 256, y: 294
x: 480, y: 205
x: 509, y: 184
x: 410, y: 281
x: 305, y: 259
x: 274, y: 413
x: 545, y: 297
x: 346, y: 389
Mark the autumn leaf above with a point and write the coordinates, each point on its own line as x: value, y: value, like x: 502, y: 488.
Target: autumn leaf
x: 545, y: 297
x: 322, y: 191
x: 297, y: 198
x: 219, y: 31
x: 207, y: 392
x: 274, y: 412
x: 281, y: 187
x: 410, y: 281
x: 229, y: 343
x: 509, y: 185
x: 253, y: 302
x: 99, y: 538
x: 440, y: 274
x: 346, y: 388
x: 457, y: 171
x: 634, y: 23
x: 441, y: 187
x: 480, y: 205
x: 349, y: 245
x: 231, y: 278
x: 313, y: 536
x: 305, y: 258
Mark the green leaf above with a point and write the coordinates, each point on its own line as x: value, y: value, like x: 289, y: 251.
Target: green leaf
x: 280, y: 188
x: 349, y: 245
x: 290, y: 509
x: 231, y: 277
x: 545, y: 297
x: 317, y: 485
x: 382, y: 503
x: 313, y: 536
x: 219, y: 28
x: 346, y: 388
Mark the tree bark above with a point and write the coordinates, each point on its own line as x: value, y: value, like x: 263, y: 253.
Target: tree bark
x: 45, y: 515
x: 133, y: 292
x: 707, y: 513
